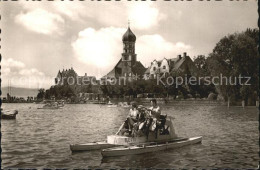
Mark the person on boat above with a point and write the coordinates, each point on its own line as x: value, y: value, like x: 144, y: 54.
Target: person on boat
x: 155, y: 112
x: 132, y: 116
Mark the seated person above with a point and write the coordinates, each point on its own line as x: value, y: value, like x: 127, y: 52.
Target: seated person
x: 155, y: 109
x: 132, y: 116
x: 155, y: 112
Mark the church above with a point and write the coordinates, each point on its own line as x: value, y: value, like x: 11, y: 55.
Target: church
x: 127, y: 67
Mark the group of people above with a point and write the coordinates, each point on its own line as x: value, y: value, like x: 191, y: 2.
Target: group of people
x: 140, y: 120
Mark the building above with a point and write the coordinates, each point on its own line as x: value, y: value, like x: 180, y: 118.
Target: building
x: 82, y: 86
x: 166, y: 66
x: 70, y: 77
x: 127, y: 67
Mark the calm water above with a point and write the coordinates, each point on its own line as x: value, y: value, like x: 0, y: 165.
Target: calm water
x: 40, y: 138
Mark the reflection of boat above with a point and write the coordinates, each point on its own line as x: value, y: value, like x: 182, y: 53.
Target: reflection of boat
x: 9, y: 114
x: 119, y: 143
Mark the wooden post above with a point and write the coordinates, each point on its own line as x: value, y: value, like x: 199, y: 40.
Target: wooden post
x: 257, y: 103
x: 243, y: 103
x: 228, y: 103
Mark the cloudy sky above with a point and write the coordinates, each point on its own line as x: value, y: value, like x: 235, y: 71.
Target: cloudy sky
x: 39, y: 38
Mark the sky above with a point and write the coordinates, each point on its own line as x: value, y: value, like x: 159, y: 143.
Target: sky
x: 40, y: 38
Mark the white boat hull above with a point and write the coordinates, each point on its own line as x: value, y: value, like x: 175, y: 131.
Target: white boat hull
x: 90, y: 146
x: 139, y: 149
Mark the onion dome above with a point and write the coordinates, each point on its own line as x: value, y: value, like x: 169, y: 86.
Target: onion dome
x: 129, y: 36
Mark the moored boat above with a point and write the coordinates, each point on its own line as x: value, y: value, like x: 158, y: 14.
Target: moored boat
x: 114, y: 105
x: 9, y: 114
x: 111, y: 104
x: 124, y: 104
x: 53, y: 105
x: 149, y: 147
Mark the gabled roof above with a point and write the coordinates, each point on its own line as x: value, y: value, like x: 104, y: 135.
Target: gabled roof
x: 148, y: 70
x: 112, y: 73
x: 138, y: 68
x: 178, y: 64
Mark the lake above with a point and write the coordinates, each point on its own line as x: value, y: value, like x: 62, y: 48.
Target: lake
x: 40, y: 138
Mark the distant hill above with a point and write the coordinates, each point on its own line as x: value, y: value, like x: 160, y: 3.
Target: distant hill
x: 19, y: 92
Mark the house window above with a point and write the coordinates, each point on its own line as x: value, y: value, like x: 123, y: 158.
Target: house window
x: 164, y: 67
x: 154, y: 68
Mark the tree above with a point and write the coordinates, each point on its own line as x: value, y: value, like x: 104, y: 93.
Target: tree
x: 202, y: 65
x: 236, y: 55
x: 41, y: 94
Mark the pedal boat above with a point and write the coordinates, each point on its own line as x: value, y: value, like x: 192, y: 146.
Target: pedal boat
x: 118, y: 142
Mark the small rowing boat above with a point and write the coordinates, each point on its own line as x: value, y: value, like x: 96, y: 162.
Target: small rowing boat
x: 54, y: 105
x: 111, y: 104
x: 9, y: 114
x: 149, y: 147
x: 114, y: 105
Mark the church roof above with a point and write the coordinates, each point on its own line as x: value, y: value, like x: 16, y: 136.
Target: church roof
x: 129, y: 36
x: 138, y: 68
x: 148, y: 70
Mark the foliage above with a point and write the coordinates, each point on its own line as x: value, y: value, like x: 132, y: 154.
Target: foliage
x: 59, y: 92
x: 41, y: 94
x: 202, y: 65
x: 236, y: 55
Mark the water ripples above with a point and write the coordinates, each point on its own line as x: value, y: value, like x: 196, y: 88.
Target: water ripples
x: 40, y: 138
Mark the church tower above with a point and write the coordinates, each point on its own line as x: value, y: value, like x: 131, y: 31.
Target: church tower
x: 128, y: 66
x: 128, y: 55
x: 129, y: 46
